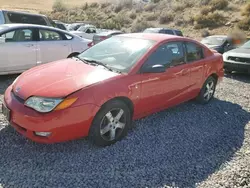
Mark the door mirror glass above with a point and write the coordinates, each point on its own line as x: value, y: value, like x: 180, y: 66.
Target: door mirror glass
x: 2, y: 40
x: 158, y: 68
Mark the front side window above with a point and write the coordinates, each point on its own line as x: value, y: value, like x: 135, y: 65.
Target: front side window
x: 118, y: 53
x: 194, y: 52
x: 47, y: 35
x: 19, y: 35
x: 169, y: 54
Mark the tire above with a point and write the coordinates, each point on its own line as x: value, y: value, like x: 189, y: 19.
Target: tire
x: 107, y: 127
x: 206, y: 94
x: 227, y: 71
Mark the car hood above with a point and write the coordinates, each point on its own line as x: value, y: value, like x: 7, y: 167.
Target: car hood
x: 239, y: 52
x: 59, y: 79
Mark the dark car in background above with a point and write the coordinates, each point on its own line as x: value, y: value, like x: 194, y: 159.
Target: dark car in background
x: 219, y: 43
x: 60, y: 25
x: 104, y: 35
x: 164, y: 31
x: 9, y: 17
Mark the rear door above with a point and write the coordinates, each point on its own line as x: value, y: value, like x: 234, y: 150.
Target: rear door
x: 196, y: 61
x: 19, y: 52
x: 53, y: 45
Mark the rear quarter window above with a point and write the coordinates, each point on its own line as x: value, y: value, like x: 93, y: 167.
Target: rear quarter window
x: 194, y: 52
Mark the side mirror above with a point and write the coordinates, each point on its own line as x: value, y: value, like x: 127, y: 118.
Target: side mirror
x: 2, y: 40
x: 158, y: 68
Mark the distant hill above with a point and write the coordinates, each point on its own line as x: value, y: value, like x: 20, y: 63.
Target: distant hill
x: 39, y: 5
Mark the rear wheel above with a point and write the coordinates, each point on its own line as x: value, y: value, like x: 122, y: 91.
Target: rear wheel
x: 110, y: 124
x: 207, y: 91
x: 228, y: 71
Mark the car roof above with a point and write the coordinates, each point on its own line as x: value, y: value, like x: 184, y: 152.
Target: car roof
x: 16, y: 26
x: 223, y: 36
x: 152, y: 36
x: 22, y: 12
x: 160, y: 28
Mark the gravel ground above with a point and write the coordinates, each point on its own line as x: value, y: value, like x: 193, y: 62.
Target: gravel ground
x: 187, y: 146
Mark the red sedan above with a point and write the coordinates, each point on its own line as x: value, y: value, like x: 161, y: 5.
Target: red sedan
x: 99, y: 92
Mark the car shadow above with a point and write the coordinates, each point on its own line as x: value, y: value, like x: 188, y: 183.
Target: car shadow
x: 177, y: 147
x: 242, y: 77
x: 5, y: 81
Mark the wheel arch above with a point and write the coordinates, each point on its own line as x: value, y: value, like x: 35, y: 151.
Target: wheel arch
x: 73, y: 54
x: 124, y: 99
x: 214, y: 75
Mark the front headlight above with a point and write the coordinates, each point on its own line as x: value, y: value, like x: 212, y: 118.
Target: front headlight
x: 42, y: 104
x: 225, y: 56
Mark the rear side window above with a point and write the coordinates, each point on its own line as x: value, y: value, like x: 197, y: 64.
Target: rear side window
x: 194, y: 52
x: 47, y: 35
x: 24, y: 18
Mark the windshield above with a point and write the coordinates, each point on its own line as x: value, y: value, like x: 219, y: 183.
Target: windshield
x: 246, y: 45
x: 118, y: 53
x: 214, y: 40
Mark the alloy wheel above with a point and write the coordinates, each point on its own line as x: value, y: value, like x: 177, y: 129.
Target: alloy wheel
x: 112, y: 124
x: 209, y: 90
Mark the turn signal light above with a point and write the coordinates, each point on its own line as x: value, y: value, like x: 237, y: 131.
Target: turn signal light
x: 66, y: 103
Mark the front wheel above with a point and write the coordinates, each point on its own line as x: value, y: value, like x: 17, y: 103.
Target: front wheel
x: 110, y: 124
x: 207, y: 91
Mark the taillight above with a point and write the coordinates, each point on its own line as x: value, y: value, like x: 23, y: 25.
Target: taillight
x: 90, y: 44
x: 103, y: 37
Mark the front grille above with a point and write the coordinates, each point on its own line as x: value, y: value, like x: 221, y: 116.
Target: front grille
x: 17, y: 97
x: 239, y: 59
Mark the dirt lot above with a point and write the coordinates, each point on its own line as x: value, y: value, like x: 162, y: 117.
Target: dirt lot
x: 187, y: 146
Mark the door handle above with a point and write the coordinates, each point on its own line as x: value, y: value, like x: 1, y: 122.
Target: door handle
x: 29, y: 45
x: 185, y: 72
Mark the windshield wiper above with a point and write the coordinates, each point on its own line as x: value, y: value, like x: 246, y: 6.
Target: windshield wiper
x: 79, y: 59
x: 92, y: 61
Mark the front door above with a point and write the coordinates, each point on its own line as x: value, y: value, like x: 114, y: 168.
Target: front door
x: 160, y: 90
x: 18, y: 52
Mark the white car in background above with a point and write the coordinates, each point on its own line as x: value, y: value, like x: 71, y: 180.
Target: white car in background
x: 86, y: 31
x: 23, y: 46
